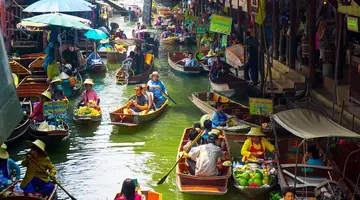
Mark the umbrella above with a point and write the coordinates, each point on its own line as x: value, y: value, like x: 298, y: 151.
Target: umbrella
x: 45, y: 6
x: 95, y: 34
x: 58, y: 19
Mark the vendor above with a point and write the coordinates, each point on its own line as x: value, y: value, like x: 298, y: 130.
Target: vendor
x: 219, y: 118
x: 104, y: 45
x: 7, y: 165
x: 256, y: 145
x: 312, y: 156
x: 38, y: 113
x: 206, y: 40
x: 159, y: 21
x: 56, y: 90
x: 89, y: 94
x: 210, y: 57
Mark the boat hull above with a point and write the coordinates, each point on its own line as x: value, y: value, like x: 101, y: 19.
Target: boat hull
x: 53, y: 195
x: 143, y: 77
x: 114, y: 56
x: 86, y: 119
x: 231, y: 88
x: 175, y: 57
x: 23, y: 126
x: 50, y: 137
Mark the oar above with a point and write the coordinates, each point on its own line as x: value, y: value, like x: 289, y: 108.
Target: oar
x: 168, y: 96
x: 57, y: 183
x: 187, y: 150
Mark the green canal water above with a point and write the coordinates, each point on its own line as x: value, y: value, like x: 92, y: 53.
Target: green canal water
x: 92, y: 164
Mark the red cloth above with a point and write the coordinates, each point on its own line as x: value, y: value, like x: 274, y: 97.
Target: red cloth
x: 38, y: 113
x: 254, y: 150
x: 137, y: 197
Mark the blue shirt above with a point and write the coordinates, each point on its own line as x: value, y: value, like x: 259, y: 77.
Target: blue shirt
x: 318, y: 162
x: 218, y: 119
x: 156, y: 91
x: 190, y: 63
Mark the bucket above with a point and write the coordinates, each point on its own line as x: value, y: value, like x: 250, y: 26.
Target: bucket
x: 327, y: 69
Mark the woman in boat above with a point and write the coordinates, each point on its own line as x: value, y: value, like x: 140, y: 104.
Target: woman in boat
x: 56, y: 90
x: 159, y: 21
x: 37, y: 180
x: 158, y: 88
x: 256, y: 145
x: 219, y: 118
x: 166, y: 34
x: 210, y: 58
x: 312, y: 156
x: 206, y: 40
x: 129, y: 191
x: 38, y: 113
x: 150, y: 97
x: 8, y: 165
x: 89, y: 94
x: 193, y: 133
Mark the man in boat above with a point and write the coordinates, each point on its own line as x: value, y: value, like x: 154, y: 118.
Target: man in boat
x: 137, y: 102
x: 210, y: 58
x: 89, y: 94
x: 255, y: 146
x: 312, y: 156
x: 139, y: 60
x: 159, y: 21
x: 177, y: 29
x: 38, y: 113
x: 7, y: 166
x: 206, y: 40
x: 56, y: 90
x: 252, y: 63
x: 190, y: 61
x: 40, y: 171
x: 202, y: 161
x: 219, y: 68
x: 207, y: 131
x: 138, y: 28
x: 193, y: 133
x: 120, y: 34
x: 157, y: 87
x: 219, y: 117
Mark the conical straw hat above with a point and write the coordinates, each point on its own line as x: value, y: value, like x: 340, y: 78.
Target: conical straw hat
x: 3, y: 153
x: 256, y: 131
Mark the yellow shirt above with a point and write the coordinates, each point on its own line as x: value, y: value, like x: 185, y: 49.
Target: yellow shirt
x: 245, y: 150
x: 33, y: 170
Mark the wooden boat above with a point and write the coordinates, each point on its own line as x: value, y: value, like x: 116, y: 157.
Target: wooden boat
x: 23, y: 126
x: 102, y: 53
x: 26, y: 59
x: 114, y: 56
x: 170, y: 40
x: 174, y: 57
x: 36, y: 67
x: 214, y: 185
x: 32, y: 86
x: 160, y: 27
x: 149, y: 195
x: 97, y: 66
x: 19, y: 70
x: 235, y: 56
x: 78, y: 83
x: 228, y: 85
x: 118, y: 117
x: 7, y: 194
x: 86, y: 119
x: 122, y: 76
x: 50, y: 137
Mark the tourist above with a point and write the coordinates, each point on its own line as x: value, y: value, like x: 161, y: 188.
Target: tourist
x: 206, y: 40
x: 312, y: 156
x: 190, y: 61
x: 157, y: 87
x: 193, y: 133
x: 288, y: 194
x: 120, y: 34
x: 150, y: 97
x: 251, y: 67
x: 166, y: 34
x: 139, y: 60
x: 210, y: 57
x: 219, y: 118
x: 137, y: 103
x: 38, y: 113
x: 8, y: 165
x: 255, y: 146
x: 89, y: 96
x: 56, y: 90
x: 159, y: 21
x: 129, y: 191
x: 207, y: 131
x: 202, y: 160
x: 39, y: 171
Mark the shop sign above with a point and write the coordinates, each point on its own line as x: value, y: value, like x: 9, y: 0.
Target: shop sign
x: 201, y: 29
x: 220, y: 24
x: 353, y: 24
x: 56, y: 108
x: 260, y: 106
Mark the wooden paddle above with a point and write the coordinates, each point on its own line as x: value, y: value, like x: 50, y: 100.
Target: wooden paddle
x: 168, y: 96
x: 71, y: 197
x: 187, y: 151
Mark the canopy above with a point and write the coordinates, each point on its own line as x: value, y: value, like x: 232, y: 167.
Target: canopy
x: 59, y: 19
x: 46, y: 6
x: 308, y: 124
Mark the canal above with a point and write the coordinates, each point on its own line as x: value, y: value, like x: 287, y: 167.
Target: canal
x: 96, y: 159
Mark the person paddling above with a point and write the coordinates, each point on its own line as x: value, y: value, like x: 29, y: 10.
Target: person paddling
x: 157, y: 87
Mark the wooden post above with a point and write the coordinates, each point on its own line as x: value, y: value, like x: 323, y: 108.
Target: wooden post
x: 276, y: 29
x: 230, y: 8
x: 293, y: 47
x: 312, y: 41
x: 240, y: 31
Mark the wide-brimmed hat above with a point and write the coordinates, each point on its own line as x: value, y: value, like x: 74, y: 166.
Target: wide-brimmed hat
x: 3, y: 153
x: 211, y: 53
x: 63, y: 76
x: 154, y: 73
x: 38, y: 144
x: 89, y: 81
x: 47, y: 94
x: 104, y: 41
x: 55, y: 79
x: 216, y: 132
x: 256, y: 131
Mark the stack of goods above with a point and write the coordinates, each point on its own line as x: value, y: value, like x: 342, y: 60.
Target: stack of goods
x: 120, y: 48
x: 239, y: 129
x: 249, y: 176
x: 46, y: 127
x: 90, y: 110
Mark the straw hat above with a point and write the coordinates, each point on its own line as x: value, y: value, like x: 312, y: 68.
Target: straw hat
x: 63, y: 76
x: 211, y: 53
x: 3, y: 153
x: 256, y: 131
x: 55, y: 79
x: 39, y: 144
x: 89, y: 81
x: 216, y: 132
x: 104, y: 41
x: 154, y: 73
x: 47, y: 94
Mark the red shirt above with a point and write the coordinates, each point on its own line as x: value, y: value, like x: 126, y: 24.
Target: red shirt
x: 38, y: 113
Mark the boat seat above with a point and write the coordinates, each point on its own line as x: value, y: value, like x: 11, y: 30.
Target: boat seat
x: 305, y: 181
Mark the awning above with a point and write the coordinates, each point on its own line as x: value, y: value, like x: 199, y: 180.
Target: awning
x: 308, y: 124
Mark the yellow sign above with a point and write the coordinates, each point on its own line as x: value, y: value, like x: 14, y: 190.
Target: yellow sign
x: 352, y: 24
x: 259, y: 106
x: 220, y: 24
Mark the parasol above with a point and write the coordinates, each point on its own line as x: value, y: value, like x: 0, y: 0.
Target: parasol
x: 46, y: 6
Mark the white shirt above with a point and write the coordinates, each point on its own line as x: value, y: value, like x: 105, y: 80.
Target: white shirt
x: 206, y: 157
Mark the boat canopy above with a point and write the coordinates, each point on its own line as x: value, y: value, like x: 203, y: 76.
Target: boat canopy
x: 308, y: 124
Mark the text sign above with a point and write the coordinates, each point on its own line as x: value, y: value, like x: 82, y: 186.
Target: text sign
x: 259, y: 106
x: 220, y: 24
x: 352, y: 24
x: 201, y: 29
x: 58, y: 107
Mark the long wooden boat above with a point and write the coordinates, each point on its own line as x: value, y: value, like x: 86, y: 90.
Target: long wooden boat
x: 149, y: 195
x: 114, y: 56
x: 50, y: 137
x: 32, y: 86
x: 78, y: 83
x: 118, y: 117
x: 26, y: 59
x: 235, y: 56
x: 8, y: 194
x: 24, y: 124
x: 19, y: 69
x: 98, y: 67
x: 174, y: 57
x: 213, y: 185
x: 36, y: 67
x: 170, y: 40
x: 122, y: 76
x: 229, y: 85
x: 102, y: 53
